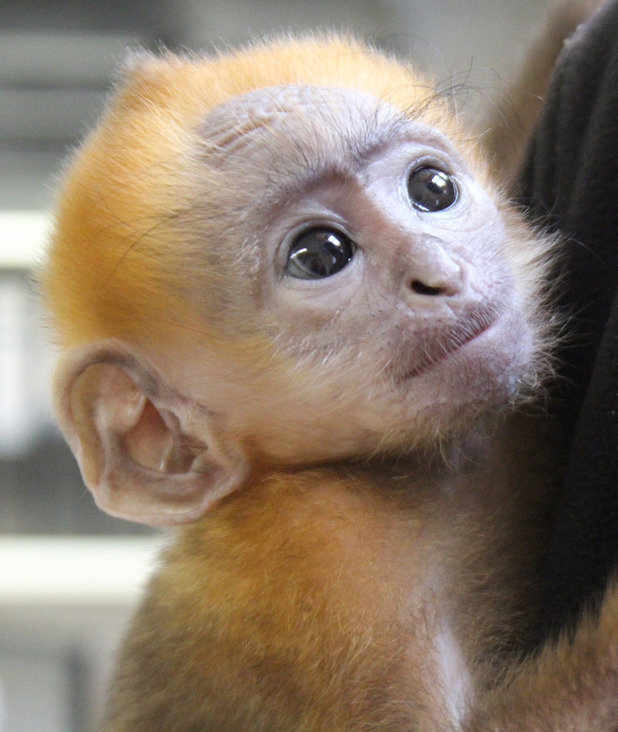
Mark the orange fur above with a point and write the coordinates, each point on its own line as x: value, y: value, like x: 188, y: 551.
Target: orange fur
x: 311, y: 601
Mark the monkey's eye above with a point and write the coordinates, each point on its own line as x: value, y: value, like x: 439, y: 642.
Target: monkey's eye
x: 431, y: 189
x: 318, y: 253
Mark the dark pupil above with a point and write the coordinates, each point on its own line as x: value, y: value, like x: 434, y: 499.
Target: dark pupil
x: 431, y: 189
x: 319, y: 253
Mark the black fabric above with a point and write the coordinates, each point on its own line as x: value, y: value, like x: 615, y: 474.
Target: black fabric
x: 570, y: 182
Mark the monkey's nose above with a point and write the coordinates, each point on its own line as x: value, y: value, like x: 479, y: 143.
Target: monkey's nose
x: 441, y: 278
x: 429, y: 271
x: 423, y: 289
x: 432, y: 270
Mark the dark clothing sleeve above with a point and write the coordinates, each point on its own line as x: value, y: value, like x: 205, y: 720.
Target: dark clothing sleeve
x: 569, y: 182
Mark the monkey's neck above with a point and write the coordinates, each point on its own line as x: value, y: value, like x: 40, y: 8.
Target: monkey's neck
x: 434, y: 466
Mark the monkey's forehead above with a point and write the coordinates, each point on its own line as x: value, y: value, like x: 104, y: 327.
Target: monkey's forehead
x: 295, y: 109
x: 307, y: 129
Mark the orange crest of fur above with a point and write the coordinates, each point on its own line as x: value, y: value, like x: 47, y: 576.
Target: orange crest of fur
x: 124, y: 242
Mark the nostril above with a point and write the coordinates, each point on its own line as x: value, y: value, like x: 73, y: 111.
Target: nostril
x: 422, y: 289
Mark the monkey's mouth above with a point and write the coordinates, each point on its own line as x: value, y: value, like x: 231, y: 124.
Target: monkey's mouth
x: 440, y: 340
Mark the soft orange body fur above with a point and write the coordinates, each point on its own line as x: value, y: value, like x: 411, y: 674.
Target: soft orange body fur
x: 339, y: 599
x: 367, y: 561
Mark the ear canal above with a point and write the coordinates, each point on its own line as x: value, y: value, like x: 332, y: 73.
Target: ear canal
x: 156, y: 442
x: 146, y: 458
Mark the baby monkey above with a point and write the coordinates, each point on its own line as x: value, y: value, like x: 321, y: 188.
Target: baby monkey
x: 298, y: 321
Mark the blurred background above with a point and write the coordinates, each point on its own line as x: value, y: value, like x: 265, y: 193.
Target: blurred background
x: 68, y: 574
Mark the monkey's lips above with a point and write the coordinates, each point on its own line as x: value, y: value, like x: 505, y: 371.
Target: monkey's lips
x: 440, y: 340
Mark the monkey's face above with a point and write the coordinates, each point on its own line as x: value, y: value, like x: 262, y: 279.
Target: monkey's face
x: 292, y: 273
x: 364, y: 249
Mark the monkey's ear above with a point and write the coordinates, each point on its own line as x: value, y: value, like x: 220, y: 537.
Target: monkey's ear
x: 146, y: 454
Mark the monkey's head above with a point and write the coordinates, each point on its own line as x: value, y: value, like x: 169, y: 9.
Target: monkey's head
x: 283, y: 256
